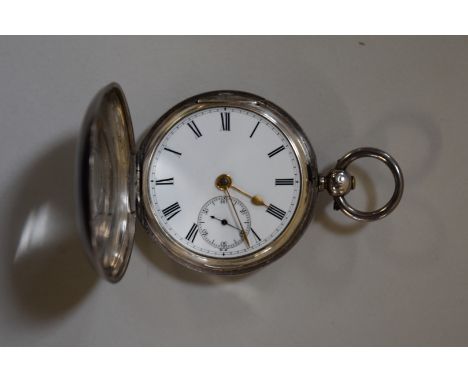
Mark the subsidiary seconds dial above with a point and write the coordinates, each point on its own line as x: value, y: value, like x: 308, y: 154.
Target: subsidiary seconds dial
x: 218, y: 225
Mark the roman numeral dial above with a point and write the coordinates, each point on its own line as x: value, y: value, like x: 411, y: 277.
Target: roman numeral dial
x: 162, y: 182
x: 171, y: 211
x: 276, y: 212
x: 182, y: 181
x: 254, y: 130
x: 284, y: 181
x: 255, y: 234
x: 226, y: 121
x: 193, y: 126
x: 192, y: 233
x: 271, y: 154
x: 173, y: 151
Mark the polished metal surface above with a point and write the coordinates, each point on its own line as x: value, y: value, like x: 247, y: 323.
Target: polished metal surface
x: 339, y: 182
x: 106, y: 183
x: 113, y: 183
x: 308, y: 192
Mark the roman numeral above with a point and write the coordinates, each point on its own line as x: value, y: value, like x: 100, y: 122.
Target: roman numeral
x: 165, y: 181
x: 255, y: 128
x: 284, y: 182
x: 171, y: 211
x: 173, y: 151
x: 192, y: 234
x: 255, y: 234
x: 226, y: 121
x: 276, y: 212
x: 276, y: 151
x: 194, y: 128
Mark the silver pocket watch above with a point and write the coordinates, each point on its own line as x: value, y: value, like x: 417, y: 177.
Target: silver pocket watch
x: 225, y: 182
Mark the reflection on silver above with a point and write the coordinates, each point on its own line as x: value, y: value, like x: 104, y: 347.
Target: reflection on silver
x: 106, y: 171
x: 113, y: 182
x: 338, y: 183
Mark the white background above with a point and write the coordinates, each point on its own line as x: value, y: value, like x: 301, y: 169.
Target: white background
x: 401, y: 281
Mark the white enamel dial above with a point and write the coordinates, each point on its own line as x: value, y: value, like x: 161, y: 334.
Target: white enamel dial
x: 258, y: 158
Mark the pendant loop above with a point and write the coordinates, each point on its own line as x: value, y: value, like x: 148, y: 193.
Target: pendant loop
x: 338, y: 182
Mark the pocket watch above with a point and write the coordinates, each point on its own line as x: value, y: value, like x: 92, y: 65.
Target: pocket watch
x: 225, y: 182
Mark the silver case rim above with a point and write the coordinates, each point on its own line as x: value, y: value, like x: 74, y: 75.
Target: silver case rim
x: 308, y: 193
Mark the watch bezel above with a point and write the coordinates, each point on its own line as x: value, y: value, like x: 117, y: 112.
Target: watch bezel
x: 307, y: 196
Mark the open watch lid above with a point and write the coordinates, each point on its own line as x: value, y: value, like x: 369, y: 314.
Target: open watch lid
x: 106, y: 183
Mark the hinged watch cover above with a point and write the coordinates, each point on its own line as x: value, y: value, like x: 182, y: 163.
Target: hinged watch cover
x: 106, y: 183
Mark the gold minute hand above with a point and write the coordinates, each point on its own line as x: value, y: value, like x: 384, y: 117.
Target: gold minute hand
x: 244, y: 234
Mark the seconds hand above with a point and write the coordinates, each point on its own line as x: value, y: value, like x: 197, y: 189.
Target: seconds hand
x: 237, y: 216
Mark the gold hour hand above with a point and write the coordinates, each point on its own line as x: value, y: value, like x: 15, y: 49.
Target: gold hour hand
x: 224, y: 181
x: 255, y: 199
